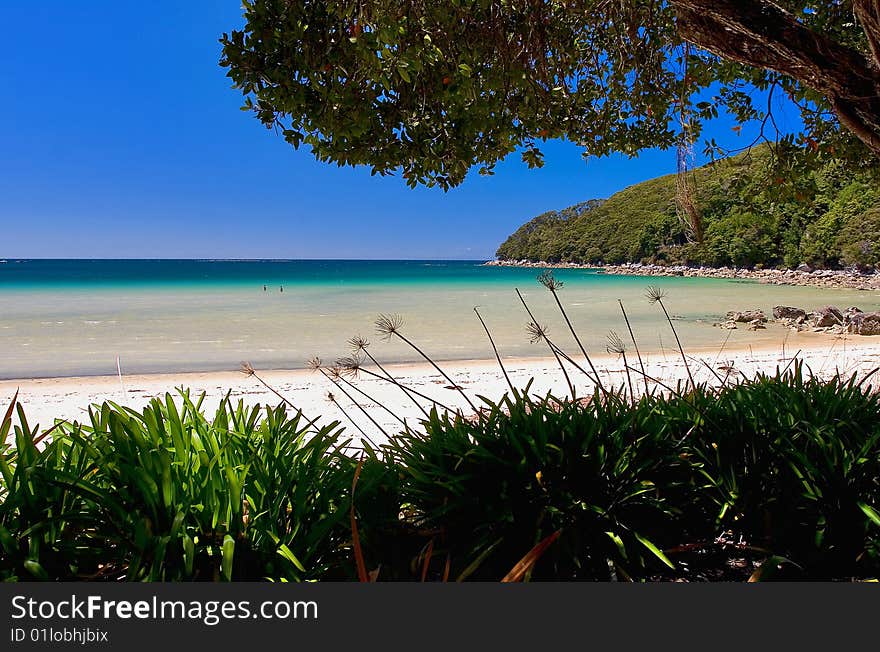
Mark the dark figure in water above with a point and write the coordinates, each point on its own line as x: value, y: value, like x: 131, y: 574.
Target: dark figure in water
x: 281, y: 288
x: 264, y: 288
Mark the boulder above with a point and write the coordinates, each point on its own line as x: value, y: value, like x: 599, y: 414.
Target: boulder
x: 825, y: 317
x: 746, y: 316
x: 849, y: 313
x: 803, y: 267
x: 756, y: 324
x: 787, y: 312
x: 865, y: 323
x: 859, y: 269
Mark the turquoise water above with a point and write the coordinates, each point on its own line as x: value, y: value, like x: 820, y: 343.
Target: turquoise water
x: 72, y: 317
x: 213, y: 274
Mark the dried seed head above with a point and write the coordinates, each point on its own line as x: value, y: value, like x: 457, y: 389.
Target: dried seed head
x: 350, y: 365
x: 331, y: 397
x: 247, y: 369
x: 655, y: 294
x: 615, y: 344
x: 388, y: 325
x: 536, y: 332
x: 314, y: 363
x: 334, y: 372
x: 549, y: 281
x: 358, y: 343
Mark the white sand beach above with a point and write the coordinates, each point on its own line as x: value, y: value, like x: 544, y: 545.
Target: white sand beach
x: 47, y: 399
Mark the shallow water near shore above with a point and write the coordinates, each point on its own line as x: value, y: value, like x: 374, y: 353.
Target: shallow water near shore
x: 63, y: 318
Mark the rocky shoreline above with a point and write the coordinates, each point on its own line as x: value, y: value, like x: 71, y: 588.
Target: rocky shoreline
x: 822, y: 278
x: 828, y: 319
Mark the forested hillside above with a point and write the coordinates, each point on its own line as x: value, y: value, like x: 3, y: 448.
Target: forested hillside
x: 752, y: 216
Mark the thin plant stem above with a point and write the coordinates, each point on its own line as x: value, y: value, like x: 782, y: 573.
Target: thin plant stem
x: 629, y: 381
x: 348, y: 416
x: 635, y: 345
x: 409, y: 392
x: 577, y: 339
x: 678, y: 342
x: 495, y: 349
x: 455, y: 385
x: 827, y: 356
x: 564, y: 356
x: 867, y: 376
x: 616, y: 345
x: 709, y: 367
x: 248, y: 370
x: 370, y: 398
x: 358, y: 405
x: 724, y: 344
x: 406, y: 389
x: 659, y: 382
x: 552, y: 346
x: 793, y: 358
x: 564, y: 372
x: 784, y: 341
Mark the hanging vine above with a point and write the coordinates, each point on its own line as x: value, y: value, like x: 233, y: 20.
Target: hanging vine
x: 685, y: 207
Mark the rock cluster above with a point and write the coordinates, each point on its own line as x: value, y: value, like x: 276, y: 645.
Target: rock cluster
x: 787, y: 312
x: 754, y: 318
x: 825, y: 319
x: 865, y: 323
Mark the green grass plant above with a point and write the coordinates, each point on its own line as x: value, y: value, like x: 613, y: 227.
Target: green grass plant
x: 169, y: 494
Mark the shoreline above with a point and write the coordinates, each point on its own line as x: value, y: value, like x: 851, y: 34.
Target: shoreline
x: 820, y: 278
x: 69, y: 397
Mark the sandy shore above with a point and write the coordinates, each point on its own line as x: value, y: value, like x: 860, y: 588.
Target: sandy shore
x: 68, y: 398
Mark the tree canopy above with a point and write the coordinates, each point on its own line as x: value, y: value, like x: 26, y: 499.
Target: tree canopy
x: 435, y: 89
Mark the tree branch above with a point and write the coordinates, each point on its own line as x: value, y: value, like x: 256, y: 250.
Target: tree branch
x: 762, y: 34
x: 868, y: 14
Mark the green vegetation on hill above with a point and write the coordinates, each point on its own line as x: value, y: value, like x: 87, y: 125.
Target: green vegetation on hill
x: 828, y: 217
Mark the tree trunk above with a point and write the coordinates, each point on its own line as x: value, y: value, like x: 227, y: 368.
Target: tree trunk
x: 761, y: 34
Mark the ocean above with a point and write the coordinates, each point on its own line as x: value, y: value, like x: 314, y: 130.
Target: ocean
x: 76, y: 317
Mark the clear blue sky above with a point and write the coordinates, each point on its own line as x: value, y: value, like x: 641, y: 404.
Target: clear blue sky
x: 121, y: 137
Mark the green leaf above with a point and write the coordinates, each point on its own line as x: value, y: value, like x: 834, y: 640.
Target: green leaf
x: 654, y: 549
x: 285, y: 552
x: 871, y: 513
x: 189, y: 554
x: 474, y: 565
x: 36, y: 569
x: 770, y: 568
x: 621, y: 548
x: 228, y: 553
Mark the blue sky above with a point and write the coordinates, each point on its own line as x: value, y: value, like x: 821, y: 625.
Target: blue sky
x: 120, y: 136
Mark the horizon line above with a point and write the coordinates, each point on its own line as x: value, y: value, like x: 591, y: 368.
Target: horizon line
x: 9, y: 259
